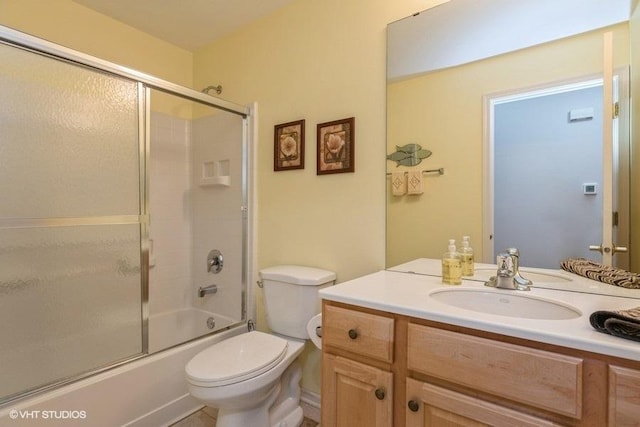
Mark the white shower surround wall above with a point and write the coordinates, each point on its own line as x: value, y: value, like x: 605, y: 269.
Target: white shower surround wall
x: 217, y: 217
x: 170, y: 275
x: 188, y: 220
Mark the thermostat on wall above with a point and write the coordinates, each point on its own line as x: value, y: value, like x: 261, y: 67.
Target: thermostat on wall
x: 590, y: 188
x: 581, y: 114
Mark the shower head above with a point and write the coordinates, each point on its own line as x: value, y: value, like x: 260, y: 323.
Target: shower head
x: 218, y: 89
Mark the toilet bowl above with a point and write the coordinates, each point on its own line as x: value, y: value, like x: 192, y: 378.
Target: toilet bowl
x: 253, y: 378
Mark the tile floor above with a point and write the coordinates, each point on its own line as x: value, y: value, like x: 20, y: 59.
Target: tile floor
x: 206, y: 417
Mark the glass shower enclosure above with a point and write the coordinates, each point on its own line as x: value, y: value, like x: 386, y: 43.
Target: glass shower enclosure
x: 115, y: 187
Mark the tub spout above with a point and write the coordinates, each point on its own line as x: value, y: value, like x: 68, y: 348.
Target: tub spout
x: 211, y: 289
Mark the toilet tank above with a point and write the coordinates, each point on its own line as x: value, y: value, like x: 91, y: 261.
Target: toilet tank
x: 291, y: 297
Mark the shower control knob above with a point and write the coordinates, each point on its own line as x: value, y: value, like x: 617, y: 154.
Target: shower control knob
x: 214, y: 261
x: 353, y: 334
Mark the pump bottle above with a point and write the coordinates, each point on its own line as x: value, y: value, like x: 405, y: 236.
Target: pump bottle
x: 452, y: 265
x: 467, y: 257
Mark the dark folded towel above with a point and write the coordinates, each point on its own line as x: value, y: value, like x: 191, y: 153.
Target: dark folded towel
x: 602, y: 273
x: 621, y: 323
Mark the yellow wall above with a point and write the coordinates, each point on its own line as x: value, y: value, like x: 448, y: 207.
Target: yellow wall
x: 319, y: 61
x: 443, y: 112
x: 77, y: 27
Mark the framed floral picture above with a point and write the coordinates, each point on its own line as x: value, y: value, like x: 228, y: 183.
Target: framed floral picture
x: 336, y: 146
x: 288, y: 144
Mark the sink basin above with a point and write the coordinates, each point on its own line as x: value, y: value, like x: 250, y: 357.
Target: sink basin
x: 506, y: 303
x: 536, y: 277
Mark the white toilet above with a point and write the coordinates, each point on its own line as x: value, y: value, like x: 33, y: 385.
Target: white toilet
x: 253, y: 378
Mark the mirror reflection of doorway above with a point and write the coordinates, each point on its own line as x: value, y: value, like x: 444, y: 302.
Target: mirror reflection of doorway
x: 548, y: 169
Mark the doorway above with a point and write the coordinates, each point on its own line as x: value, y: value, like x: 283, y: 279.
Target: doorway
x: 544, y: 173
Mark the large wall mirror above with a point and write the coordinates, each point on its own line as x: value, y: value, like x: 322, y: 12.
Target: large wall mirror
x: 498, y: 109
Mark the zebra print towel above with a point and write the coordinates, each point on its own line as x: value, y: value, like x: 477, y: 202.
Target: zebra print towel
x: 621, y: 323
x: 601, y: 273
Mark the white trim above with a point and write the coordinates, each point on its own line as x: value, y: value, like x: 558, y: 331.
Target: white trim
x: 546, y: 90
x: 252, y: 201
x: 607, y: 150
x: 310, y: 403
x: 184, y: 406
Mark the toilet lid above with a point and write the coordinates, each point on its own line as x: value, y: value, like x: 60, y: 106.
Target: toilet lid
x: 236, y: 359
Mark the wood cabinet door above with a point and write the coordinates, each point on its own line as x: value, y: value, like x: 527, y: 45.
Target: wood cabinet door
x: 624, y: 397
x: 355, y: 394
x: 430, y: 405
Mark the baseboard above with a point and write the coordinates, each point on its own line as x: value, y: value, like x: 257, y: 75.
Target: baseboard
x: 185, y: 405
x: 310, y: 403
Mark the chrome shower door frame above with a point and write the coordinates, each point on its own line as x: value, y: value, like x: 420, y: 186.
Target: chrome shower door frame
x: 145, y: 83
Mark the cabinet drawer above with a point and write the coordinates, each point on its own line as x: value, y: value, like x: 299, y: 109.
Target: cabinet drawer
x: 534, y: 377
x: 431, y: 405
x: 366, y: 334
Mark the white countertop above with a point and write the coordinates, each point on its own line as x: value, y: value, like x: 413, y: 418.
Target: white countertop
x: 408, y: 294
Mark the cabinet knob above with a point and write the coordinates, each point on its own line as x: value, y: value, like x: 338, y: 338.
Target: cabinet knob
x: 413, y: 406
x: 380, y: 394
x: 353, y: 334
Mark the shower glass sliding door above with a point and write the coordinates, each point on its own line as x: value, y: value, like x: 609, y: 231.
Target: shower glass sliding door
x: 71, y: 221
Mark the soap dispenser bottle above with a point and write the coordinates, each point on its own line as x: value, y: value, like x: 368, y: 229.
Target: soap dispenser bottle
x: 452, y: 265
x: 467, y: 257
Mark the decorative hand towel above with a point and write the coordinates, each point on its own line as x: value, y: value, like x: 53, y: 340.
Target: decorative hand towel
x: 398, y: 183
x: 601, y: 273
x: 414, y: 182
x: 621, y: 323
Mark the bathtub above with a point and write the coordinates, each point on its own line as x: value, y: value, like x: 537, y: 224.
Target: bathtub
x: 174, y: 327
x: 150, y: 391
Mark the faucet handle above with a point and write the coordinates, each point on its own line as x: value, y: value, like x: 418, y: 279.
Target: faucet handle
x: 505, y: 264
x: 513, y: 251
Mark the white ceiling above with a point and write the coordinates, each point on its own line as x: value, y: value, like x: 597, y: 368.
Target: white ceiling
x: 189, y: 24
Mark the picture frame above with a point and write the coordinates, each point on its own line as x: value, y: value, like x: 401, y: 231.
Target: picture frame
x: 335, y: 146
x: 288, y: 146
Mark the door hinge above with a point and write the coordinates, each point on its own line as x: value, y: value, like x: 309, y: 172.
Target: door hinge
x: 615, y: 219
x: 616, y: 110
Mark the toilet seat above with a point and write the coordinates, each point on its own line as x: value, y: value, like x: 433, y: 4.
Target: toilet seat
x: 236, y: 359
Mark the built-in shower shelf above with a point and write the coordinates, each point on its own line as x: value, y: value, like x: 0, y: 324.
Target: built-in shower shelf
x: 215, y: 172
x: 216, y: 180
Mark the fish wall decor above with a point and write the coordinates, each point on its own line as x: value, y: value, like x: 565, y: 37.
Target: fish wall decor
x: 408, y: 155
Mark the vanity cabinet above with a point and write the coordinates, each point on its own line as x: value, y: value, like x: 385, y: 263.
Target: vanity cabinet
x: 436, y: 374
x: 357, y: 382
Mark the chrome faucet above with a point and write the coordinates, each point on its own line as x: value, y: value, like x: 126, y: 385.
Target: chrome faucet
x: 508, y: 274
x: 211, y: 289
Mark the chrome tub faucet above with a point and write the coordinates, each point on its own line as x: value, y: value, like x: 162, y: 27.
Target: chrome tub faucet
x: 211, y: 289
